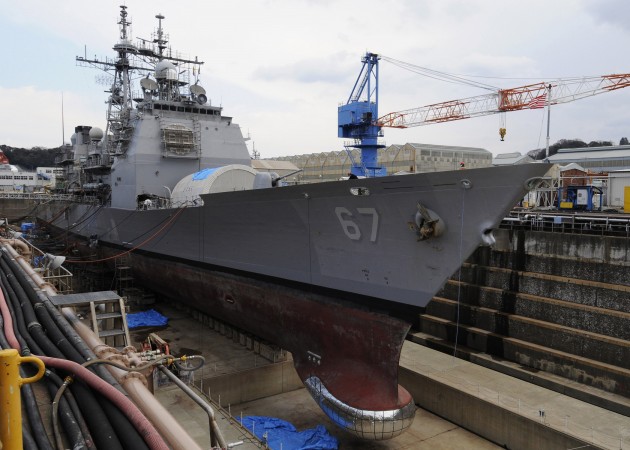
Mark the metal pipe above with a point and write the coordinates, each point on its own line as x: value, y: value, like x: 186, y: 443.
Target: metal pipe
x: 133, y: 384
x: 17, y: 243
x: 216, y: 438
x: 168, y: 427
x: 144, y: 426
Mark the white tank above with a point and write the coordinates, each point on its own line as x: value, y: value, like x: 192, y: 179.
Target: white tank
x: 235, y: 177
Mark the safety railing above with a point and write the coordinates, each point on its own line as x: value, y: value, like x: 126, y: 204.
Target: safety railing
x: 597, y: 224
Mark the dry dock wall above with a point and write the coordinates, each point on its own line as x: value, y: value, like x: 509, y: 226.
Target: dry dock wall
x: 549, y: 301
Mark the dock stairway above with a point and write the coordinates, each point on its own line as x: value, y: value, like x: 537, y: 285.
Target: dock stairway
x: 549, y: 320
x: 105, y: 311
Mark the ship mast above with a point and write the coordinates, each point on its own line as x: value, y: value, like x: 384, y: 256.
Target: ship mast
x: 149, y: 57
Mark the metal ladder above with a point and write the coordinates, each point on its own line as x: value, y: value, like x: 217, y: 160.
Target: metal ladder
x: 109, y: 323
x: 107, y: 311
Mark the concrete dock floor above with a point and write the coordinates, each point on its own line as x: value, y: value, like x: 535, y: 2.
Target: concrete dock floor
x: 427, y: 432
x: 603, y: 428
x: 186, y: 335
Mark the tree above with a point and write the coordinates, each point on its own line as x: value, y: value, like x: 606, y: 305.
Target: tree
x: 553, y: 149
x: 624, y: 141
x: 30, y: 159
x: 600, y: 144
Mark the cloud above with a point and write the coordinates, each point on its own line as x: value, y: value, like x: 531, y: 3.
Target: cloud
x: 333, y: 68
x: 613, y: 12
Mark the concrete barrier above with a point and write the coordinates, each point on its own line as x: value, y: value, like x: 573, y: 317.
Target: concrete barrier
x: 504, y: 427
x: 253, y: 384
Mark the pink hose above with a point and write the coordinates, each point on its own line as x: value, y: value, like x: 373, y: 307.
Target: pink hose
x: 8, y: 323
x: 141, y: 423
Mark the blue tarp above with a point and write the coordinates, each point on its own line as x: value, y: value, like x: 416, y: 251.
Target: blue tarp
x: 203, y: 174
x: 282, y: 434
x: 150, y: 318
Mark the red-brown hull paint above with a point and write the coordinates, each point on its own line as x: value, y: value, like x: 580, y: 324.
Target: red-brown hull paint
x: 359, y: 349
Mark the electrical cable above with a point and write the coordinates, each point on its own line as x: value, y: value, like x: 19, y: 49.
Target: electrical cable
x: 171, y: 219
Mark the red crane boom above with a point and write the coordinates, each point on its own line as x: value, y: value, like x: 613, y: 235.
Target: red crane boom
x: 531, y: 96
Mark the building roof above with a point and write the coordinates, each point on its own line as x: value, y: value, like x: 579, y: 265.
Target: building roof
x: 451, y: 148
x: 591, y: 153
x: 509, y: 159
x: 572, y: 166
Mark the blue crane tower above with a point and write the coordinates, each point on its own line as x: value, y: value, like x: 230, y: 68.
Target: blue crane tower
x: 357, y: 120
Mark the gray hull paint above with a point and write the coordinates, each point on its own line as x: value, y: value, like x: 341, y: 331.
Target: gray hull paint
x: 322, y: 234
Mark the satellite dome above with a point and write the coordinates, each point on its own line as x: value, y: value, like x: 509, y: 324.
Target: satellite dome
x: 96, y: 134
x: 73, y: 138
x: 165, y: 70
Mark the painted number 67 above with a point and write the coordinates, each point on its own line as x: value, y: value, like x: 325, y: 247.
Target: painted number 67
x: 351, y: 228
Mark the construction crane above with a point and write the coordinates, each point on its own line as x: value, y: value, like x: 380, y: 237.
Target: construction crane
x: 356, y: 117
x: 532, y: 96
x: 357, y: 120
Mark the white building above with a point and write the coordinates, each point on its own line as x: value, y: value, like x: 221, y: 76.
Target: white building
x: 13, y: 179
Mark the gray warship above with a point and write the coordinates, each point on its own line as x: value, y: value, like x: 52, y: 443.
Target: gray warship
x: 333, y: 272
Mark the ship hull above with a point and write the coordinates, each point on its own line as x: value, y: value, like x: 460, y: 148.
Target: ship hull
x: 315, y: 269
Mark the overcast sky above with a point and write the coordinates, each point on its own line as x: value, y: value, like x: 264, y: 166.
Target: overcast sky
x: 282, y: 67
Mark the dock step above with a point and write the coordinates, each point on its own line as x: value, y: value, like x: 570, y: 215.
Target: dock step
x: 600, y: 375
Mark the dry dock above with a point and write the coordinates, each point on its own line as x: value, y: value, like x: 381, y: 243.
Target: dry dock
x: 226, y: 359
x: 461, y: 404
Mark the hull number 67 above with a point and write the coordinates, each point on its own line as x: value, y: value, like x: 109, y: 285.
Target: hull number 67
x: 351, y: 228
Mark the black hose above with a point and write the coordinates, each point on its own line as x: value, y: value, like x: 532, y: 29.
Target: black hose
x: 66, y: 416
x: 195, y: 366
x: 125, y: 432
x: 67, y: 330
x: 55, y: 381
x: 4, y: 343
x: 20, y: 320
x: 27, y: 395
x: 28, y: 443
x: 98, y: 422
x: 101, y: 428
x: 52, y: 331
x: 29, y: 404
x: 124, y: 429
x: 33, y: 327
x: 86, y: 352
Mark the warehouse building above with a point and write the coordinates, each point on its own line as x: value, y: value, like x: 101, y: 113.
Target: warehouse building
x: 407, y: 158
x: 595, y: 159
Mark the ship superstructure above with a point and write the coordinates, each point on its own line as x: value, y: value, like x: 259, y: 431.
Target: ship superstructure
x: 160, y: 127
